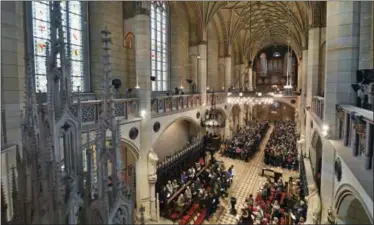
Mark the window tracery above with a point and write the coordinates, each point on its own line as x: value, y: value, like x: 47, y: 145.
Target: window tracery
x: 159, y: 45
x: 72, y: 21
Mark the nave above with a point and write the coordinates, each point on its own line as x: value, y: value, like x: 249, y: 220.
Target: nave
x: 250, y: 180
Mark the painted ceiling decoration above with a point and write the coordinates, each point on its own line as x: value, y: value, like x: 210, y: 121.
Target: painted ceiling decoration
x: 252, y: 25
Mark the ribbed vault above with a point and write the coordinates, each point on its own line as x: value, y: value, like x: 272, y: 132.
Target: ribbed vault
x: 252, y: 25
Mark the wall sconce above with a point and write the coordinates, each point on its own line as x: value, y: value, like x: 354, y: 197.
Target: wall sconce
x: 240, y: 94
x: 228, y: 93
x: 143, y: 113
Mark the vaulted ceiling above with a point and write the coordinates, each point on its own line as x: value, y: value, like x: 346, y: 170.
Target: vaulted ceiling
x: 253, y: 25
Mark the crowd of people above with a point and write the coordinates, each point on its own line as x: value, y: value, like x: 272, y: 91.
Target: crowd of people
x: 246, y: 142
x: 198, y: 191
x: 272, y: 205
x: 281, y: 148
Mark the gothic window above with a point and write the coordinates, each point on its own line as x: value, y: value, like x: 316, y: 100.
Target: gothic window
x: 159, y: 46
x: 72, y: 13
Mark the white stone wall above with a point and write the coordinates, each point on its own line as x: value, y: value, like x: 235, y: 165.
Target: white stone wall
x: 179, y: 48
x: 213, y: 81
x: 12, y: 67
x: 110, y: 14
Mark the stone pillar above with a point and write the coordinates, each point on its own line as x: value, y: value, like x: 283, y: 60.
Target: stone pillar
x: 369, y: 148
x: 300, y: 75
x: 13, y: 67
x: 313, y: 63
x: 242, y: 77
x: 250, y: 78
x: 142, y: 66
x: 194, y: 57
x: 202, y: 62
x: 366, y: 60
x: 241, y: 116
x: 227, y: 128
x: 303, y: 104
x: 254, y: 79
x: 342, y: 51
x: 228, y: 75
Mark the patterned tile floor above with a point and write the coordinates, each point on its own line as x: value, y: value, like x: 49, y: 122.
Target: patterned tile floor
x: 247, y: 181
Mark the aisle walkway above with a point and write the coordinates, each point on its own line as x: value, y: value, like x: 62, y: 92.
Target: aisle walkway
x: 247, y: 180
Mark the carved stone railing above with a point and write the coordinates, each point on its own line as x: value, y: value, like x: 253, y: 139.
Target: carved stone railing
x: 355, y: 127
x: 318, y: 106
x: 127, y: 108
x: 221, y: 97
x: 171, y: 104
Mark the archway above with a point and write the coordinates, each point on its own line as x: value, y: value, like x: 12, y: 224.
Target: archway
x: 351, y: 211
x: 316, y: 158
x: 176, y: 136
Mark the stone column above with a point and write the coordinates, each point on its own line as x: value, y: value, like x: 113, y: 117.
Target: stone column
x: 303, y: 91
x: 228, y: 72
x: 313, y: 63
x: 250, y: 78
x: 242, y: 77
x: 366, y: 60
x: 254, y: 79
x: 300, y: 75
x: 227, y: 128
x: 194, y: 57
x: 202, y: 62
x: 369, y: 146
x: 142, y: 66
x: 342, y: 51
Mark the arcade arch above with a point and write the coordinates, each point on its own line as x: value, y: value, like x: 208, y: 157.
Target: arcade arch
x: 350, y: 209
x: 176, y: 136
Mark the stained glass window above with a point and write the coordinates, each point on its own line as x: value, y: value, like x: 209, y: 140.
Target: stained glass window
x: 72, y: 20
x: 159, y: 45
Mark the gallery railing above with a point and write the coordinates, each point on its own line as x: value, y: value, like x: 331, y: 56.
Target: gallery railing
x: 127, y: 108
x: 318, y: 106
x: 171, y: 104
x: 356, y: 129
x: 220, y: 98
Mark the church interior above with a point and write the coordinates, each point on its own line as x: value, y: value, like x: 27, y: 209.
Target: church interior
x: 187, y: 112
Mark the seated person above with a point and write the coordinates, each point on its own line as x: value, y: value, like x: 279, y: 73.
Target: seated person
x: 181, y: 203
x: 198, y: 183
x: 183, y: 177
x: 188, y: 195
x: 169, y: 187
x: 276, y: 210
x: 194, y: 191
x: 198, y: 166
x: 175, y: 185
x: 259, y: 214
x: 163, y: 197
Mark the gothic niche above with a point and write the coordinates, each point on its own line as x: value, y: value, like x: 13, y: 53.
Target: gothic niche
x: 338, y: 169
x: 156, y: 126
x: 133, y: 134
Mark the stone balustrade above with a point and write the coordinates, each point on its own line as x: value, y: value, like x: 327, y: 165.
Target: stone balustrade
x: 318, y: 106
x: 220, y: 98
x: 355, y: 127
x: 162, y: 105
x: 127, y: 108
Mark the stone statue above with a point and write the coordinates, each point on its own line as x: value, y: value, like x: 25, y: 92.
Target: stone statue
x: 152, y: 162
x: 314, y: 205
